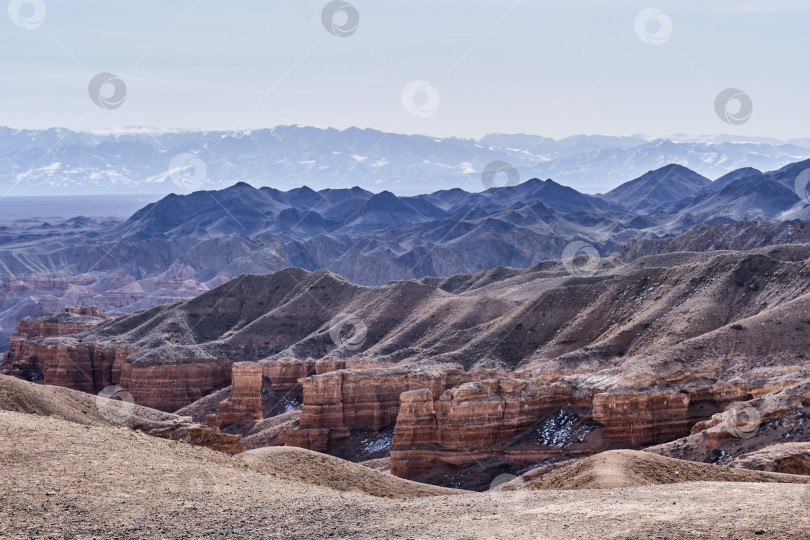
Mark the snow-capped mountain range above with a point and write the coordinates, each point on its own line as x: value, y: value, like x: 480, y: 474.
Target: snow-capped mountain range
x: 60, y: 161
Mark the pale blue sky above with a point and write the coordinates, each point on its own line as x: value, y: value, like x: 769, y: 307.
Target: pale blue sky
x: 545, y: 67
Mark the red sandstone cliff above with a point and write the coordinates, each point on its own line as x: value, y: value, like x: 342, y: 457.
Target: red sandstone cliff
x: 245, y: 401
x: 18, y: 360
x: 338, y: 402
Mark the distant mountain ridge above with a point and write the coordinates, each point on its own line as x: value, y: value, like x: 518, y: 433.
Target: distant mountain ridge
x: 182, y: 245
x: 656, y: 189
x: 62, y: 161
x: 663, y: 199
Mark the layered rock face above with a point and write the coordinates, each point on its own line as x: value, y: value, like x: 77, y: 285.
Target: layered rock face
x: 485, y: 412
x: 642, y: 418
x: 72, y: 320
x: 92, y: 366
x: 335, y: 403
x: 245, y: 401
x: 416, y: 421
x: 466, y: 423
x: 474, y: 421
x: 89, y: 367
x: 173, y: 386
x: 284, y: 375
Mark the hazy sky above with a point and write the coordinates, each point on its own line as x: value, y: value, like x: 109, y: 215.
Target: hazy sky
x: 549, y: 68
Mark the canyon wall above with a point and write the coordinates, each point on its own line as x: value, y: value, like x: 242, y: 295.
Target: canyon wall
x: 45, y: 350
x: 489, y: 411
x: 91, y: 367
x: 170, y: 387
x: 335, y: 403
x: 638, y: 419
x: 459, y: 418
x: 467, y: 423
x: 338, y: 402
x: 72, y: 320
x: 518, y: 418
x: 440, y: 416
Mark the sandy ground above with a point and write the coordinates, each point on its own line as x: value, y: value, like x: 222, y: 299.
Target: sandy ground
x: 72, y: 405
x: 626, y: 468
x: 61, y: 479
x: 297, y: 464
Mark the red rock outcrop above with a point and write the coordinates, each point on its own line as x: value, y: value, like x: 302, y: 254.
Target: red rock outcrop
x: 285, y: 374
x: 415, y: 447
x: 743, y: 419
x: 478, y: 420
x: 245, y: 401
x: 169, y: 387
x: 464, y: 425
x: 637, y: 419
x: 89, y: 367
x: 745, y: 427
x: 416, y: 422
x: 335, y: 403
x: 72, y: 320
x: 473, y: 413
x: 484, y: 412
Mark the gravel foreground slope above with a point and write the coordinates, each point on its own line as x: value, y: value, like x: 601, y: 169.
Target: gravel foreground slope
x: 63, y: 480
x: 297, y: 464
x: 626, y: 468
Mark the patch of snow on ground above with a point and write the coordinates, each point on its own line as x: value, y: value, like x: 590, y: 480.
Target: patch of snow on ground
x: 380, y: 442
x: 287, y: 404
x: 558, y: 431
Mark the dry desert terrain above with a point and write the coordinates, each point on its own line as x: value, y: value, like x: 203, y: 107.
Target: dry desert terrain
x: 65, y: 480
